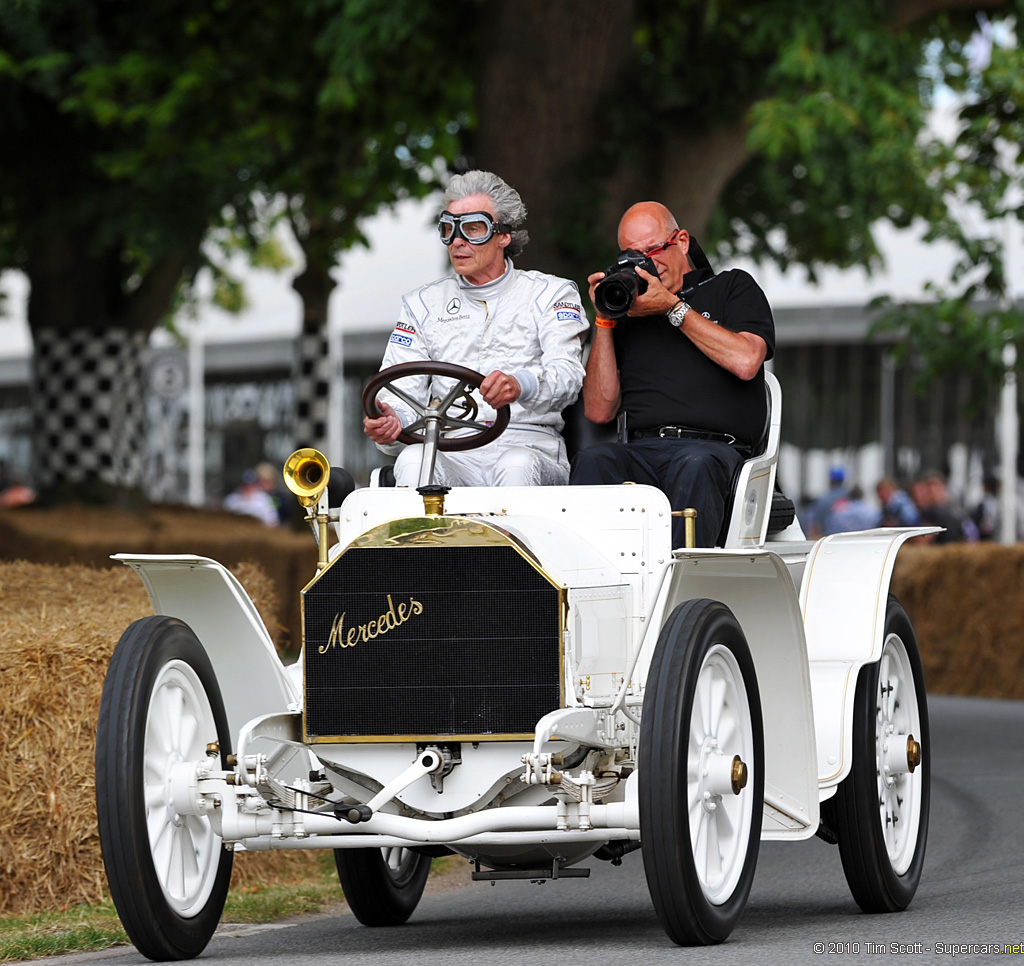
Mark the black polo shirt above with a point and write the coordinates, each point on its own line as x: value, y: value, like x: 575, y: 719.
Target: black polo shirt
x: 667, y: 380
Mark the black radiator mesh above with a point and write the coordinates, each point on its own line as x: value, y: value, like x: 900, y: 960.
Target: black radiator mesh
x: 442, y: 641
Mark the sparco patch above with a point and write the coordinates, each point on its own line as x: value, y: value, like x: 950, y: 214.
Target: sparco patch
x: 400, y: 339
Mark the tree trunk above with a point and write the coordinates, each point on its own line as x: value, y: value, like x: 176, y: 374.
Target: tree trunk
x: 312, y: 357
x: 88, y: 413
x: 546, y: 66
x: 90, y: 338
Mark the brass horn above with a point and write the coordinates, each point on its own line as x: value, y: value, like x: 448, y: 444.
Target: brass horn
x: 306, y: 474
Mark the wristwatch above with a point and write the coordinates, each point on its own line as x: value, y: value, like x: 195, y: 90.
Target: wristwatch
x: 677, y: 313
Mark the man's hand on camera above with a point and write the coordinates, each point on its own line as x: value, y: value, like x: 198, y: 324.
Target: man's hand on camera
x: 383, y: 429
x: 657, y: 300
x: 592, y: 281
x: 499, y: 388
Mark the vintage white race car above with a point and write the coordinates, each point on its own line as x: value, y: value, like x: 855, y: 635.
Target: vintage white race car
x: 528, y: 677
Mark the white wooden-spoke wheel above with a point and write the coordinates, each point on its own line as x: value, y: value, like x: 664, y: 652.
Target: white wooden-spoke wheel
x: 721, y: 743
x: 701, y: 772
x: 185, y: 849
x: 880, y: 811
x: 159, y: 713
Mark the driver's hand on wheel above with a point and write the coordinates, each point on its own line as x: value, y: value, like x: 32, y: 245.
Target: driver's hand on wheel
x: 383, y: 429
x: 499, y: 389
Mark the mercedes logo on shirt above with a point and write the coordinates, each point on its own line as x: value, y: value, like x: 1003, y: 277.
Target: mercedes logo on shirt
x: 453, y: 306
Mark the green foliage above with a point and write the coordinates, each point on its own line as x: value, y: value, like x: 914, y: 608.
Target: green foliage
x: 981, y: 175
x: 365, y: 119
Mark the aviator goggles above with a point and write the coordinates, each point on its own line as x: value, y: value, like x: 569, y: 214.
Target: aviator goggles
x: 476, y: 227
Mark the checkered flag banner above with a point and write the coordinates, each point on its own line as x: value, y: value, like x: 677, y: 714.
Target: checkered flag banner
x: 312, y: 387
x: 88, y: 406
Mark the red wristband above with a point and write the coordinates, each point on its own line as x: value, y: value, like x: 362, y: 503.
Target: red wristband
x: 604, y: 323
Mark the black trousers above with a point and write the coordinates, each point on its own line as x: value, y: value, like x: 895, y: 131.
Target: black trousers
x: 690, y: 472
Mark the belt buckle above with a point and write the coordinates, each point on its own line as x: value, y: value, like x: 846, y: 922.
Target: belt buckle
x: 664, y: 432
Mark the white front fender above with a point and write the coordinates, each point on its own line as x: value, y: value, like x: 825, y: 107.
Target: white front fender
x: 208, y: 597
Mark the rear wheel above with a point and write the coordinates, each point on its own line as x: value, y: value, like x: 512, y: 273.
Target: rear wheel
x: 160, y: 707
x: 382, y: 886
x: 701, y: 773
x: 880, y: 811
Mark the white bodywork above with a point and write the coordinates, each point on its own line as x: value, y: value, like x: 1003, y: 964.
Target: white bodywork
x: 812, y: 614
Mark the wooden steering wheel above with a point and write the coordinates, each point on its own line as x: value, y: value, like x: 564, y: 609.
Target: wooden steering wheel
x: 438, y: 410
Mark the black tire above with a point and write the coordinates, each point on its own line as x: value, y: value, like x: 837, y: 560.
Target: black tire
x: 382, y: 886
x: 880, y: 811
x: 697, y: 904
x: 168, y: 874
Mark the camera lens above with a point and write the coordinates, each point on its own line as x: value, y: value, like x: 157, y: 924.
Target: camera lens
x: 615, y: 294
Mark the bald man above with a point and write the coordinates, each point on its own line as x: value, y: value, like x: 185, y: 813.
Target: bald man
x: 686, y: 368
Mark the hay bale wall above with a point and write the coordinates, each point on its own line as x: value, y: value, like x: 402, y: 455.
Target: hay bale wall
x: 90, y: 535
x: 967, y: 605
x: 58, y: 628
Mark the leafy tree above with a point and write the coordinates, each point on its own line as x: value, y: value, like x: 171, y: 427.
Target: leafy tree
x: 968, y: 323
x: 368, y: 115
x: 124, y: 129
x: 785, y: 131
x: 125, y: 133
x: 782, y: 130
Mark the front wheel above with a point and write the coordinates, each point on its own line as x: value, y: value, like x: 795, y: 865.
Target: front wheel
x: 382, y: 886
x: 701, y: 773
x: 880, y: 811
x: 160, y: 708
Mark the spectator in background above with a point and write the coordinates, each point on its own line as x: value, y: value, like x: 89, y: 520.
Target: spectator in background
x: 254, y: 497
x: 986, y: 515
x: 898, y: 509
x: 851, y: 512
x: 820, y: 509
x: 13, y: 489
x: 931, y: 496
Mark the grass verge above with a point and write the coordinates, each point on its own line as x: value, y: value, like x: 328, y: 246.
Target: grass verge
x: 89, y: 927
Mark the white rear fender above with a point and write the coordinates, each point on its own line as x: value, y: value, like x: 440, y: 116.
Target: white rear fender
x: 843, y: 597
x: 208, y: 597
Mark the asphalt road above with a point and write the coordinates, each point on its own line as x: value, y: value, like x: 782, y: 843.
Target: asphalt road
x: 972, y: 892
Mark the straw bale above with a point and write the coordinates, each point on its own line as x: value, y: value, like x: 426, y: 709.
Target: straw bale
x: 58, y: 628
x: 966, y: 602
x: 89, y: 535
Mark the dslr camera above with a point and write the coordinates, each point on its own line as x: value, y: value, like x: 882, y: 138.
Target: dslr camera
x: 616, y: 292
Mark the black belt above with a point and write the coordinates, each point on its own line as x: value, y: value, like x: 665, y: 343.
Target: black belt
x: 680, y: 432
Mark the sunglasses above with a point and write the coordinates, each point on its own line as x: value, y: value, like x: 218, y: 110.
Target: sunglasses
x: 476, y: 227
x: 658, y: 249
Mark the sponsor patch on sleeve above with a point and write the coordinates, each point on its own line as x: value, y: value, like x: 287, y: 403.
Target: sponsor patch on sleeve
x: 400, y: 339
x: 405, y: 327
x: 567, y: 312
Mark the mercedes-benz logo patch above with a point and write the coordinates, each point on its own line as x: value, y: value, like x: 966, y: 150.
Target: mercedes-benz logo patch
x: 453, y: 306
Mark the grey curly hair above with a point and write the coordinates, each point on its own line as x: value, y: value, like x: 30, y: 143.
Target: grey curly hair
x: 508, y: 206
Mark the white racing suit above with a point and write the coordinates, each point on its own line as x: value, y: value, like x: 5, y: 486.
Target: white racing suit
x: 527, y: 324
